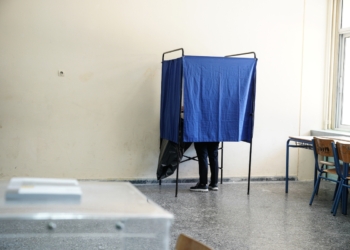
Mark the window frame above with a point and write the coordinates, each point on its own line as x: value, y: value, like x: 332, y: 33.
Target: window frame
x: 343, y: 34
x: 337, y: 47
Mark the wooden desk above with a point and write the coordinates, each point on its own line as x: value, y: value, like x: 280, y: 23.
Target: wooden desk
x: 306, y: 143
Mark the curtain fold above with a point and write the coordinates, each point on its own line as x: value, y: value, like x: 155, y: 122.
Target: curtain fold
x: 170, y: 99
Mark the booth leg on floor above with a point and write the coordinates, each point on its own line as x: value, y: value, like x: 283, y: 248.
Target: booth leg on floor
x: 177, y: 179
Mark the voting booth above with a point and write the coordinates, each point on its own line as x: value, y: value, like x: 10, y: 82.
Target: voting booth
x: 206, y: 99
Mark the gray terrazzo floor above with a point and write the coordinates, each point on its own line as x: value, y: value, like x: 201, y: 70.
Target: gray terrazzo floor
x: 266, y: 219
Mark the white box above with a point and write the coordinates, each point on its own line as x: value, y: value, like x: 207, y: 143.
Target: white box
x: 110, y: 215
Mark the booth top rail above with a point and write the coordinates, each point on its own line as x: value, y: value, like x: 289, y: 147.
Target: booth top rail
x: 243, y: 54
x: 172, y: 51
x: 182, y: 50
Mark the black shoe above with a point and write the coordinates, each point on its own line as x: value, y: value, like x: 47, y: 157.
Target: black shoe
x: 199, y: 188
x: 213, y: 187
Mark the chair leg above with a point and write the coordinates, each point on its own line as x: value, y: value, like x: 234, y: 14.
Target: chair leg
x: 337, y: 198
x: 317, y: 185
x: 345, y: 198
x: 315, y: 189
x: 336, y: 188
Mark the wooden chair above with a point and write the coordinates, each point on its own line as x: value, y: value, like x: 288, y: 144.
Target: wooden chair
x: 323, y: 148
x: 341, y: 152
x: 185, y: 242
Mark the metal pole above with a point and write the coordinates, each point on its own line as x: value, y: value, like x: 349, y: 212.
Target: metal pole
x: 222, y: 159
x: 243, y: 54
x: 250, y: 164
x: 177, y: 173
x: 173, y: 51
x: 287, y: 165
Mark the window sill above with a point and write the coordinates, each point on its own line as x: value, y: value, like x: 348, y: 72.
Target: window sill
x: 329, y: 133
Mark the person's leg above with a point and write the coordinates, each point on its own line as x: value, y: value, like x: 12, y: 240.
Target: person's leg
x: 213, y: 160
x: 202, y: 154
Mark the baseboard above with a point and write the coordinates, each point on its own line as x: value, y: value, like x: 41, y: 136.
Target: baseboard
x: 194, y: 180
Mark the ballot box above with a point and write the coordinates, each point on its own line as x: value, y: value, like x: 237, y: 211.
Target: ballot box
x: 108, y: 215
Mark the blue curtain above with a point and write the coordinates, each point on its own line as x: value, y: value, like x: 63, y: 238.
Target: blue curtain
x: 219, y: 96
x: 170, y: 99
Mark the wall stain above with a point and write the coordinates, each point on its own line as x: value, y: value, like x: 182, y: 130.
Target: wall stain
x: 86, y: 77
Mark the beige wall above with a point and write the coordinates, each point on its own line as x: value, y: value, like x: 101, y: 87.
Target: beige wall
x: 313, y: 78
x: 101, y: 120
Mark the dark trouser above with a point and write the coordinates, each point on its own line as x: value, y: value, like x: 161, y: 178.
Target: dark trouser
x: 204, y: 150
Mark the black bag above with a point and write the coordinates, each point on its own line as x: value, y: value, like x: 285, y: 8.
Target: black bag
x: 170, y: 154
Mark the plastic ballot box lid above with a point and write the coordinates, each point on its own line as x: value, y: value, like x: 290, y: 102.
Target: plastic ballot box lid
x: 43, y: 189
x: 98, y: 199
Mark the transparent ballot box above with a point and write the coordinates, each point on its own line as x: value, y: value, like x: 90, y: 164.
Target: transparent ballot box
x: 107, y: 215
